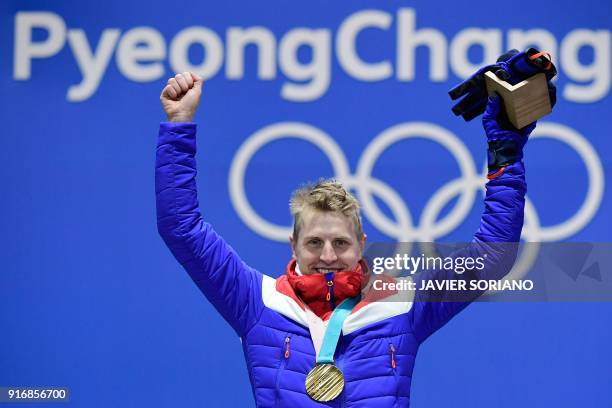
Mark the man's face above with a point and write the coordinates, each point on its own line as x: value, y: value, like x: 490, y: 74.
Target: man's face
x: 326, y: 243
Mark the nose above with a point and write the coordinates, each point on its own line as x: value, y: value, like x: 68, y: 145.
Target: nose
x: 328, y: 254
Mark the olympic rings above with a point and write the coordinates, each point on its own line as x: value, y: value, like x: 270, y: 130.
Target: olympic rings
x: 402, y: 227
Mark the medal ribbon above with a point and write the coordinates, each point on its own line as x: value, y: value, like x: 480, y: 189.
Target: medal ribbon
x: 334, y: 327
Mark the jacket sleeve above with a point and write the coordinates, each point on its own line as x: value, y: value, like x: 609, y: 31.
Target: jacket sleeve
x: 497, y: 237
x: 230, y: 285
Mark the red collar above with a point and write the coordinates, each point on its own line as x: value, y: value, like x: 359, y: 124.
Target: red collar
x: 312, y: 289
x: 315, y: 291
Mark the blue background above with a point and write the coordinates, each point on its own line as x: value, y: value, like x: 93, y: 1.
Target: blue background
x: 91, y: 299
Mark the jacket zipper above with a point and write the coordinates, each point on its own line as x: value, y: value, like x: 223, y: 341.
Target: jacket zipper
x: 392, y: 349
x: 329, y: 281
x: 283, y: 363
x: 395, y: 373
x: 287, y: 340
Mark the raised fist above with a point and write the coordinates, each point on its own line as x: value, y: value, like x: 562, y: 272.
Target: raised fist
x: 181, y: 96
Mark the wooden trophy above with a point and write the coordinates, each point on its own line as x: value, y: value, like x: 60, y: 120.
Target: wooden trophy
x: 524, y: 102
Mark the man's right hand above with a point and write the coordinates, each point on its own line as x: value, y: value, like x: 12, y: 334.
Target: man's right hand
x: 181, y: 96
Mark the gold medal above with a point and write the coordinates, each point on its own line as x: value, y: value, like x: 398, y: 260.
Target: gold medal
x: 324, y: 382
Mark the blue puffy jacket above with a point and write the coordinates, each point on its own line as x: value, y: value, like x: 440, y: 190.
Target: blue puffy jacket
x: 379, y: 342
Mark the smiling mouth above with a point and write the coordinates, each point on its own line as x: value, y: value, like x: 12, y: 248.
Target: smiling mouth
x: 328, y: 270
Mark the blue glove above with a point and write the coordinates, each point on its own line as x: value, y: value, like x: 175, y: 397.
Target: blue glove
x: 513, y: 67
x: 505, y: 141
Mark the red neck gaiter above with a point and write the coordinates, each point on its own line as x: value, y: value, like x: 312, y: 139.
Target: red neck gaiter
x: 323, y: 292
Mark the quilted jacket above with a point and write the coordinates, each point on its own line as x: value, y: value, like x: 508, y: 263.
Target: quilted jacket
x: 379, y: 341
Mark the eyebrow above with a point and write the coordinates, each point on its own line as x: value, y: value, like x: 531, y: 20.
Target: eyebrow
x: 345, y: 237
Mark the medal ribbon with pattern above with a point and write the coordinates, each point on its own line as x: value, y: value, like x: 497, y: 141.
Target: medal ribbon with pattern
x: 325, y: 381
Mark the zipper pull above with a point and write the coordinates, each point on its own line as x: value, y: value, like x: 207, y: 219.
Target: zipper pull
x: 392, y: 355
x: 287, y: 339
x: 329, y: 278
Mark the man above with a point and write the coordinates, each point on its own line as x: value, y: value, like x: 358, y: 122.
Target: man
x: 290, y: 326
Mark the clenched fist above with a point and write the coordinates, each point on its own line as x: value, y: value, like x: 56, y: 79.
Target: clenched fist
x: 181, y: 97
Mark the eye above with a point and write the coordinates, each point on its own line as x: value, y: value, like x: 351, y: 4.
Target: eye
x: 341, y: 243
x: 314, y: 242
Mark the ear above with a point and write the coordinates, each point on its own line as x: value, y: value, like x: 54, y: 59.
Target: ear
x: 363, y: 241
x: 293, y: 245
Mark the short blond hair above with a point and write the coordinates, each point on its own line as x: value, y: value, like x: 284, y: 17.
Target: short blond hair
x: 326, y: 195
